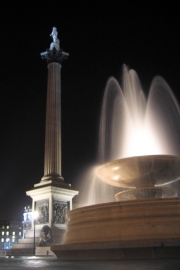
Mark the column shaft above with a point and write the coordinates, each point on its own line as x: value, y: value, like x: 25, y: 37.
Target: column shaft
x: 52, y: 160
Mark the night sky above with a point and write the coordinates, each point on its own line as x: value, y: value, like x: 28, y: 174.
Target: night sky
x: 99, y: 38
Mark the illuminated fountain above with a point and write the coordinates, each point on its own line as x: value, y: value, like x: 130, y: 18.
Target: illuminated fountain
x: 145, y: 175
x: 139, y: 151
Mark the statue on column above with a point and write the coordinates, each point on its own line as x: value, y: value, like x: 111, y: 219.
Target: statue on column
x: 54, y: 53
x: 55, y: 44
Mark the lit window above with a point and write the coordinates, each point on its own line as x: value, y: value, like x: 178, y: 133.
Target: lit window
x: 13, y: 240
x: 19, y: 233
x: 13, y: 233
x: 3, y: 227
x: 2, y: 239
x: 7, y: 239
x: 7, y: 233
x: 2, y: 233
x: 7, y: 227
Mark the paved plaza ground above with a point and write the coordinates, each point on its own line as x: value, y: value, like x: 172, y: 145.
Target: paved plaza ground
x: 52, y: 264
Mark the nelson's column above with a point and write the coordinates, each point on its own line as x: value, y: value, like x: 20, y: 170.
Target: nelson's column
x: 52, y: 197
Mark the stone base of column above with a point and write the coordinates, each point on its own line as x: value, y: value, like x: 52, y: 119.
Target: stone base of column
x: 55, y: 180
x: 52, y: 182
x: 52, y: 202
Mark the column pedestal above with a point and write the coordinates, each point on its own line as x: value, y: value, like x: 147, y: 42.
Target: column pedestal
x: 52, y: 203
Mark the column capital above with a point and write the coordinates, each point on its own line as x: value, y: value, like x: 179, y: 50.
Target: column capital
x: 54, y: 55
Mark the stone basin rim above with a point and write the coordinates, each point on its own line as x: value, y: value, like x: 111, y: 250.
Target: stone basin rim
x: 134, y: 175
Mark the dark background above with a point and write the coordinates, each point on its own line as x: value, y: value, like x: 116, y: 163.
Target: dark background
x: 99, y: 37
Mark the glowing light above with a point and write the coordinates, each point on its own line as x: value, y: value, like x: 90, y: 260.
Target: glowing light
x: 35, y: 214
x: 115, y: 168
x: 116, y: 177
x: 142, y: 142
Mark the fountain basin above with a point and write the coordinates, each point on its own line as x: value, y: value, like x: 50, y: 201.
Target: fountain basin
x: 140, y: 171
x: 105, y: 230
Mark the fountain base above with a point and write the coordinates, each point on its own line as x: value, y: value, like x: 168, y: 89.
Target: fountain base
x: 127, y: 229
x: 119, y: 250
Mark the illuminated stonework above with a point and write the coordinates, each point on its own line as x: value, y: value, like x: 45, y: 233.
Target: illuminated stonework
x: 60, y: 209
x: 42, y: 208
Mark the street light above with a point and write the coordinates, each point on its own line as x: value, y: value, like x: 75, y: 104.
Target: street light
x: 35, y: 215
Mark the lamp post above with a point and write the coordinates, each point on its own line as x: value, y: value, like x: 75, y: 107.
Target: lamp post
x: 35, y: 214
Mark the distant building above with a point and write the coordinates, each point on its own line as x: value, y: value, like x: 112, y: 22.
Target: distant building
x: 27, y: 222
x: 10, y: 232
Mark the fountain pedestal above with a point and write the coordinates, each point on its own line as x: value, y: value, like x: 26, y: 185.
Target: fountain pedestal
x: 146, y: 192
